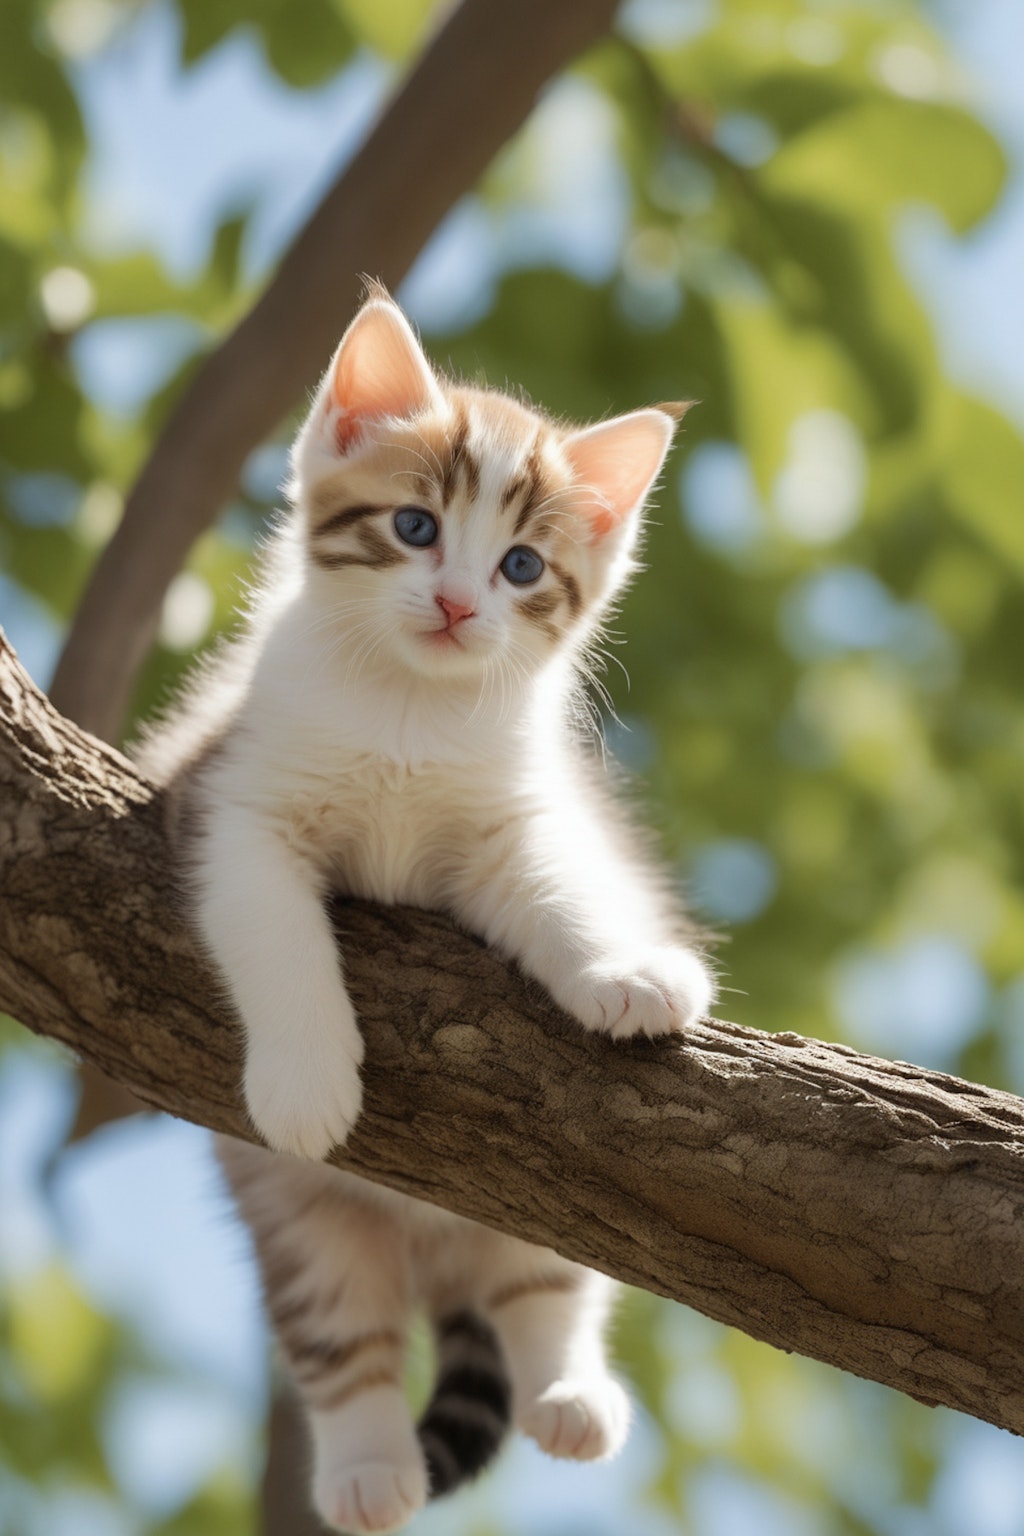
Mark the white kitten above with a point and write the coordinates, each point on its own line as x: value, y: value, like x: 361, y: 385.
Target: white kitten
x: 397, y: 723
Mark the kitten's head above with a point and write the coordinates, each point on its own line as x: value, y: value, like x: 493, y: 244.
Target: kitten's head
x: 452, y: 529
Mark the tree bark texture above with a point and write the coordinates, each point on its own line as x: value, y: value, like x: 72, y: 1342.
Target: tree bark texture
x: 473, y: 86
x: 863, y: 1212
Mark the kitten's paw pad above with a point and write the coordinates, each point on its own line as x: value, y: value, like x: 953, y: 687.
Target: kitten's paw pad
x: 371, y: 1498
x: 304, y: 1107
x: 580, y: 1423
x: 658, y: 993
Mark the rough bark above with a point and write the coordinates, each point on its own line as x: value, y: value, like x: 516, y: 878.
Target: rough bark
x: 864, y: 1212
x: 472, y: 87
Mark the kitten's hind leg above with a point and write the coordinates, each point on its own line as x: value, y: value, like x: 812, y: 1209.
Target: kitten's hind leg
x: 337, y: 1279
x: 550, y: 1316
x: 369, y: 1477
x: 369, y: 1473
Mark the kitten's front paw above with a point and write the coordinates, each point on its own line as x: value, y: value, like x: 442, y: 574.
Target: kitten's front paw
x: 371, y: 1498
x: 656, y: 993
x: 304, y: 1097
x: 585, y: 1422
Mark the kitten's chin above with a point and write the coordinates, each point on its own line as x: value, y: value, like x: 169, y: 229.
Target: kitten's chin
x: 441, y: 653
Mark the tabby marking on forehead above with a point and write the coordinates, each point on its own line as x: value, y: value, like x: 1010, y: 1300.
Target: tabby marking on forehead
x: 528, y: 487
x: 526, y: 484
x: 460, y: 462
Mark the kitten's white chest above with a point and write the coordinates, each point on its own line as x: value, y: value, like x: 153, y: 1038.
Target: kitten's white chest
x: 386, y: 791
x: 385, y: 831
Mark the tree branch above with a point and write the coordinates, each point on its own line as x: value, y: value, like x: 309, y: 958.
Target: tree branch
x: 863, y: 1212
x: 473, y: 86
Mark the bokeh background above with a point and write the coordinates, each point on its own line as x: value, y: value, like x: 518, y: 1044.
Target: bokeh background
x: 809, y: 216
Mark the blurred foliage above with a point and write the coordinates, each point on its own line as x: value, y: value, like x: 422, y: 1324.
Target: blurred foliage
x: 824, y: 651
x: 63, y: 1366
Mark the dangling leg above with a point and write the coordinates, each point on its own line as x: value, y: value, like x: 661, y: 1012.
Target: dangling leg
x: 336, y: 1272
x: 549, y: 1317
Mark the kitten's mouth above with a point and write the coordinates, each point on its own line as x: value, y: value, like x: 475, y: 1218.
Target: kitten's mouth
x: 444, y: 638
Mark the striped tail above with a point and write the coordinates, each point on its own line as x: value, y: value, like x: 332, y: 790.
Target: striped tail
x: 467, y: 1417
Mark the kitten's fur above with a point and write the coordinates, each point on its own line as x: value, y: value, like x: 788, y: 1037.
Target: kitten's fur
x: 398, y: 721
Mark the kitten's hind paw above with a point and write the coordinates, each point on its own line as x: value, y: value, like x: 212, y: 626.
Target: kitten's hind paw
x: 371, y: 1498
x: 303, y: 1106
x: 656, y: 993
x: 586, y: 1422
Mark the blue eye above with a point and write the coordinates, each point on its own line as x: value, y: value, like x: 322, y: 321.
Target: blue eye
x: 415, y: 526
x: 522, y: 565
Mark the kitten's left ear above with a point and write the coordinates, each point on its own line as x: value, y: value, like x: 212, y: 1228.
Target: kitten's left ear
x: 618, y: 461
x: 378, y: 370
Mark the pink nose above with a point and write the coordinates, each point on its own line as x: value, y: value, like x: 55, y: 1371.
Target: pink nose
x: 454, y: 611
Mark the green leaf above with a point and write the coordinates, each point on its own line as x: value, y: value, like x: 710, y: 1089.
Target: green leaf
x: 850, y: 285
x: 41, y: 431
x: 305, y: 41
x: 135, y: 284
x: 888, y: 152
x: 30, y: 77
x: 394, y: 29
x: 777, y: 371
x: 981, y: 474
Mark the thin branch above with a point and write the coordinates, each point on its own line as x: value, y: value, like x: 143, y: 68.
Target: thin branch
x: 473, y: 86
x: 864, y: 1212
x: 285, y: 1506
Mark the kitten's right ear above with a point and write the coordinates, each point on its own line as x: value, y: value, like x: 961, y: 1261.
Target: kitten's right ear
x: 617, y: 462
x: 378, y: 370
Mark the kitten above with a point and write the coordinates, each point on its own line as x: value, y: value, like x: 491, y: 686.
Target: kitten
x: 398, y: 722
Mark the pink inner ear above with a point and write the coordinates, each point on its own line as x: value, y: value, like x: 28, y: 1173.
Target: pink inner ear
x: 378, y: 370
x: 619, y: 461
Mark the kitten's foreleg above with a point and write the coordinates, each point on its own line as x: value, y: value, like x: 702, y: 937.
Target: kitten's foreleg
x: 260, y: 909
x: 559, y: 898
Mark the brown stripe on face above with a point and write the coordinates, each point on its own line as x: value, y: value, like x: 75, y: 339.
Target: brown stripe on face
x: 518, y: 1289
x: 459, y: 461
x: 313, y: 1359
x: 423, y: 485
x: 513, y: 491
x: 570, y: 586
x: 529, y: 485
x: 538, y: 610
x: 345, y: 517
x: 470, y: 473
x: 378, y: 550
x: 455, y: 445
x: 373, y: 551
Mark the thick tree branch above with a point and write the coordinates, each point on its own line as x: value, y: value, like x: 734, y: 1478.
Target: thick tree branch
x: 866, y: 1213
x: 473, y: 86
